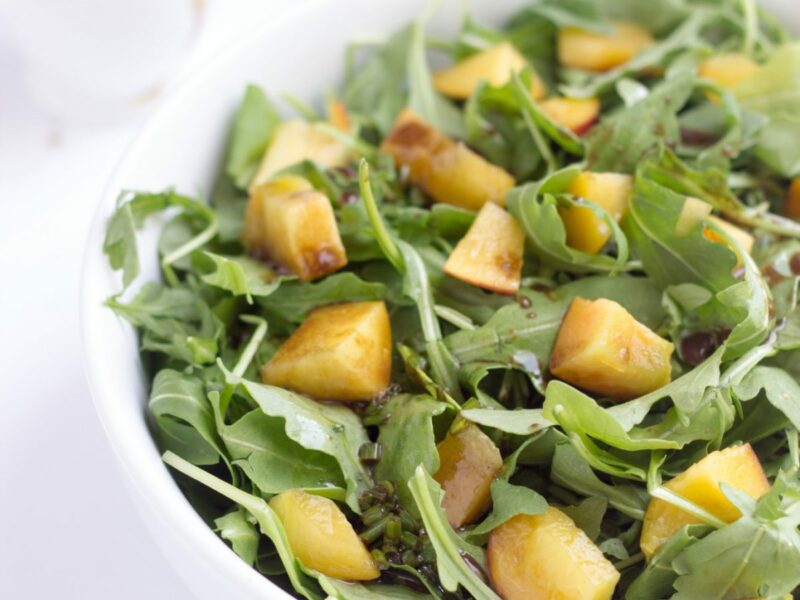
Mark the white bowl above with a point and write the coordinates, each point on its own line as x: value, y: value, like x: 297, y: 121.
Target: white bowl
x: 301, y: 52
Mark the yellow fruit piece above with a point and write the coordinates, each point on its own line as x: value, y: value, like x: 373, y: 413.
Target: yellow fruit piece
x: 728, y: 70
x: 448, y: 171
x: 611, y: 191
x: 740, y: 236
x: 693, y: 212
x: 494, y: 66
x: 341, y: 352
x: 294, y: 141
x: 582, y: 49
x: 490, y: 254
x: 575, y: 114
x: 468, y: 463
x: 737, y: 466
x: 547, y: 557
x: 288, y: 222
x: 321, y: 536
x: 601, y: 348
x: 338, y: 115
x: 792, y: 208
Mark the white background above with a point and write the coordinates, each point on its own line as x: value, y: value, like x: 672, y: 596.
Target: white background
x: 67, y: 527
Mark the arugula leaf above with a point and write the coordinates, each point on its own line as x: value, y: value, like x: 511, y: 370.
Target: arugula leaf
x: 588, y: 515
x: 407, y: 441
x: 237, y: 528
x: 518, y: 422
x: 508, y: 501
x: 185, y: 418
x: 451, y: 550
x: 333, y: 430
x: 253, y: 126
x: 343, y: 590
x: 618, y: 143
x: 268, y: 522
x: 242, y: 275
x: 781, y: 390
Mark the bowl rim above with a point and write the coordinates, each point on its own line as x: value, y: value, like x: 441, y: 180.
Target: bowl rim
x: 157, y: 489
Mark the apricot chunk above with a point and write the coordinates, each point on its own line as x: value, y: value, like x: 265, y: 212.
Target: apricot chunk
x: 494, y: 66
x: 321, y: 536
x: 739, y: 235
x: 737, y: 466
x: 288, y: 222
x: 610, y: 191
x: 600, y: 347
x: 582, y: 49
x: 446, y: 170
x: 576, y: 114
x: 490, y: 254
x: 548, y: 557
x: 728, y: 70
x: 341, y: 352
x: 297, y: 140
x: 468, y: 463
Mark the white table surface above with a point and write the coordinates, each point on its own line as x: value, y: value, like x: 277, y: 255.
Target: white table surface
x: 68, y: 528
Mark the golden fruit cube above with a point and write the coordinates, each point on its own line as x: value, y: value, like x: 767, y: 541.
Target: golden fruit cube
x: 495, y: 66
x: 468, y: 463
x: 340, y: 352
x: 582, y: 49
x: 694, y: 211
x: 737, y: 466
x: 739, y: 235
x: 294, y: 141
x: 728, y: 70
x: 576, y: 114
x: 601, y: 348
x: 548, y: 557
x: 321, y: 537
x: 290, y: 223
x: 446, y: 170
x: 610, y: 191
x: 792, y: 207
x: 490, y: 254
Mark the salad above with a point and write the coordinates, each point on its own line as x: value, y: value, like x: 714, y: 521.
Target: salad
x: 515, y: 316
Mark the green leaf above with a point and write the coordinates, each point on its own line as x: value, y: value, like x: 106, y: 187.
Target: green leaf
x: 451, y: 549
x: 407, y: 441
x: 570, y: 470
x: 588, y: 515
x: 333, y: 430
x: 621, y: 141
x: 185, y: 418
x: 780, y: 388
x: 656, y: 580
x: 253, y: 126
x: 242, y: 276
x: 237, y: 528
x: 343, y: 590
x: 268, y: 522
x: 518, y: 422
x: 508, y: 501
x: 119, y: 244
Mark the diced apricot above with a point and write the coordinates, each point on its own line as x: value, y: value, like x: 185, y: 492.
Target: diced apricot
x: 494, y: 66
x: 338, y: 115
x: 600, y: 347
x: 294, y: 141
x: 582, y: 49
x: 728, y: 70
x: 468, y: 463
x: 694, y: 211
x: 792, y: 208
x: 612, y: 192
x: 737, y: 466
x: 576, y: 114
x: 446, y: 170
x: 490, y: 254
x: 295, y: 226
x: 740, y: 236
x: 321, y: 536
x: 548, y: 557
x: 341, y: 352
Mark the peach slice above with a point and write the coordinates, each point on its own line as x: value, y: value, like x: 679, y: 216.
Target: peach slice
x: 490, y: 254
x: 582, y: 49
x: 576, y: 114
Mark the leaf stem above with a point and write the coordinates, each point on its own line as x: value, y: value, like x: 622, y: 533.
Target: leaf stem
x: 685, y: 505
x: 454, y: 317
x: 382, y: 234
x: 193, y: 244
x: 750, y: 13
